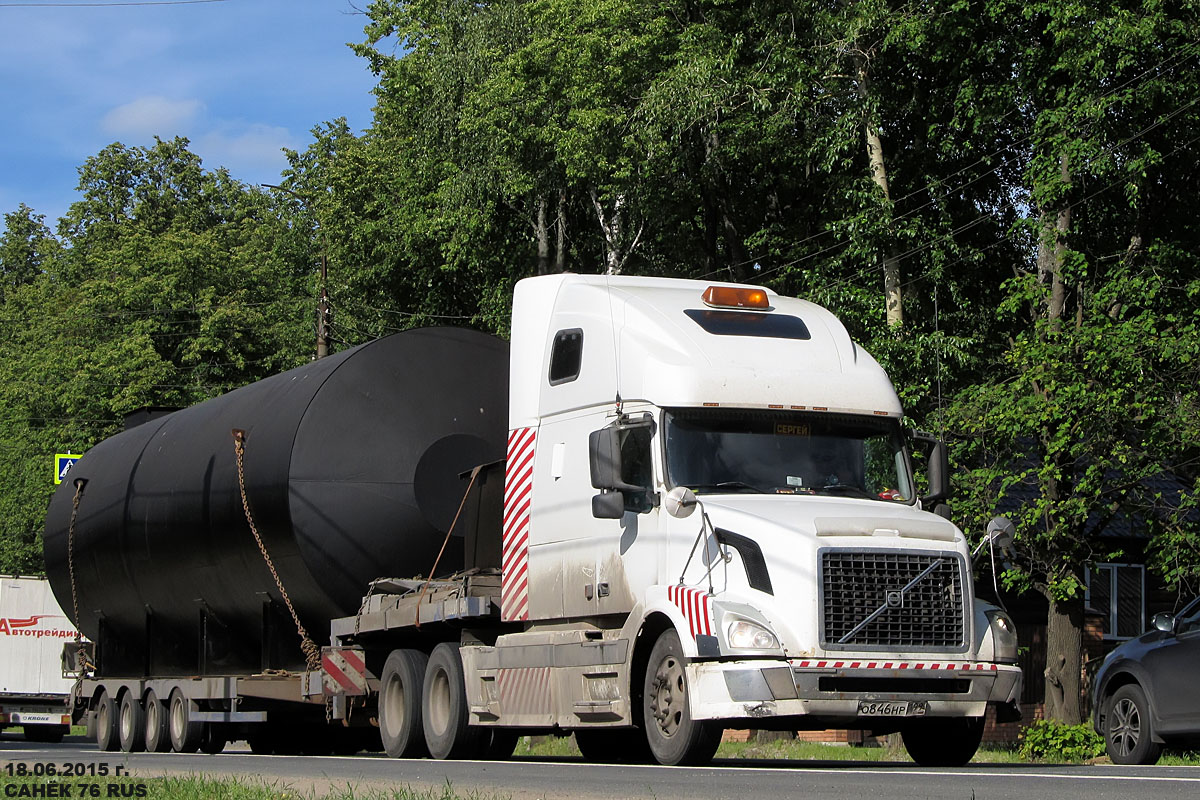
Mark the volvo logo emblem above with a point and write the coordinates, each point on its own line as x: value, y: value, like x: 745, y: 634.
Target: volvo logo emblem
x: 895, y: 598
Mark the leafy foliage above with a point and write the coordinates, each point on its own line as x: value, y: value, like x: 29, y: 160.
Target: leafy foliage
x: 1047, y: 740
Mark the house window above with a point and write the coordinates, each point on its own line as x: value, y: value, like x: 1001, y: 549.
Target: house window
x: 1118, y: 592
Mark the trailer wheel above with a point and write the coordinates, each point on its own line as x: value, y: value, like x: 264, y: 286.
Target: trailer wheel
x: 943, y: 741
x: 444, y: 713
x: 158, y: 738
x: 51, y: 734
x: 131, y: 724
x: 106, y: 723
x: 400, y: 689
x: 185, y: 731
x: 212, y: 739
x: 674, y: 737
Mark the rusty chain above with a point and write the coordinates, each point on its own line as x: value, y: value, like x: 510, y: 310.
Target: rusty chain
x: 312, y: 652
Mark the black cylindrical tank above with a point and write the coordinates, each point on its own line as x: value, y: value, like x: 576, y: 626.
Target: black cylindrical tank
x: 352, y: 468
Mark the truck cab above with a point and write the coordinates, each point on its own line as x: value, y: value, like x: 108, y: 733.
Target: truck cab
x: 710, y: 507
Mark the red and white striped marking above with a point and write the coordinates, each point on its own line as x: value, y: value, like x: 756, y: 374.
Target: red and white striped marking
x: 948, y: 666
x: 525, y: 690
x: 343, y: 671
x: 518, y: 495
x: 696, y: 607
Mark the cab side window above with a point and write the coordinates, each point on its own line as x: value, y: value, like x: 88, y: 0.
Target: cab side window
x: 566, y: 356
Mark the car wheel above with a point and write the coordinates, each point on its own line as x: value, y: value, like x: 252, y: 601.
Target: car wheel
x: 1128, y: 731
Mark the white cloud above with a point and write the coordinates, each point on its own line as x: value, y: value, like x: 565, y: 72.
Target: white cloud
x: 149, y: 116
x: 248, y: 150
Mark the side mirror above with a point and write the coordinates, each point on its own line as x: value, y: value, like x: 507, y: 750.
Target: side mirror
x: 938, y: 470
x: 608, y: 505
x: 1164, y: 622
x: 680, y: 502
x: 604, y: 453
x: 1001, y: 532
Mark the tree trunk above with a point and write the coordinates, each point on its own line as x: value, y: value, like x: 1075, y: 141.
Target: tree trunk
x: 542, y: 234
x: 560, y: 254
x: 893, y: 298
x: 1064, y: 660
x: 1052, y: 248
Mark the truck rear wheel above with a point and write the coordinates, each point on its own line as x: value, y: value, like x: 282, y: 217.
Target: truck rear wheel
x: 444, y: 712
x: 943, y: 741
x: 185, y: 731
x: 158, y: 738
x: 674, y: 737
x: 131, y: 724
x: 106, y: 723
x: 400, y: 689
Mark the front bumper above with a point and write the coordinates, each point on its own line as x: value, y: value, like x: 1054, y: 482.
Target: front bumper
x: 833, y: 689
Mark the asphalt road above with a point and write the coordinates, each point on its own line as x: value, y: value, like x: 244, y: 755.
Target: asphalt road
x: 569, y: 779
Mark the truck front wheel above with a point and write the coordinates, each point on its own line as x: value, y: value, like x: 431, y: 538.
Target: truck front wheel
x: 674, y: 737
x: 943, y: 741
x: 444, y: 712
x: 400, y: 703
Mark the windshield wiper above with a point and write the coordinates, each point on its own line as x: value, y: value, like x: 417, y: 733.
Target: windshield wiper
x: 727, y: 486
x: 845, y: 488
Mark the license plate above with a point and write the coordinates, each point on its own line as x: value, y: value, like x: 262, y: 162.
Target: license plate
x: 892, y: 708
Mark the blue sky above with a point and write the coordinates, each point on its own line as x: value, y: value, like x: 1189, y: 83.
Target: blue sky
x: 240, y: 78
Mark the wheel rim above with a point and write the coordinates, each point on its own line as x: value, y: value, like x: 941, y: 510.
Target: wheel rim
x: 126, y: 718
x: 669, y: 695
x: 439, y: 702
x: 151, y: 718
x: 177, y: 720
x: 102, y: 717
x: 1126, y: 727
x: 393, y: 706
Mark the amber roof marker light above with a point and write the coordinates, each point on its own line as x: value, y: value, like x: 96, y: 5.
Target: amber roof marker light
x: 736, y: 297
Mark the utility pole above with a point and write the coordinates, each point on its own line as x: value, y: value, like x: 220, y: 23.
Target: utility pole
x: 323, y: 291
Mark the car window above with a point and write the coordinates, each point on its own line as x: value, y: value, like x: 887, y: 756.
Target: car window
x: 1189, y: 618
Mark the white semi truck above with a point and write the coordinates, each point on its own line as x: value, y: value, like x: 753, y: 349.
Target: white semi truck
x: 33, y: 689
x: 706, y: 518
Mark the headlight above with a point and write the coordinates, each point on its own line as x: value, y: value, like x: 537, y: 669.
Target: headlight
x: 1004, y: 636
x: 746, y: 635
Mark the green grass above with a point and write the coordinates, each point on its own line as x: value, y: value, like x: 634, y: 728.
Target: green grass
x: 204, y: 788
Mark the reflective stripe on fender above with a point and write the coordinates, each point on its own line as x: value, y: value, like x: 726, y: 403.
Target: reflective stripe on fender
x: 949, y: 666
x: 696, y: 607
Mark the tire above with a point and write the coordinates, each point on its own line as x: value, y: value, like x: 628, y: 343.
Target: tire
x: 673, y: 736
x: 158, y: 737
x: 106, y: 723
x: 212, y: 739
x: 261, y: 742
x: 500, y: 744
x: 51, y: 734
x: 185, y: 731
x: 943, y: 741
x: 444, y: 712
x: 400, y: 699
x: 131, y: 724
x: 613, y: 746
x: 1128, y: 731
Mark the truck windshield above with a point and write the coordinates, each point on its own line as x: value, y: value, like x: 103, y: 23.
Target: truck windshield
x: 725, y: 451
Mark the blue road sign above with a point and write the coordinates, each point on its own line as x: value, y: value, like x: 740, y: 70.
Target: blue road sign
x: 62, y: 465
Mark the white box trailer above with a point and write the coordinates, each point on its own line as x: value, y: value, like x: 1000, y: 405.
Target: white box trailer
x: 33, y: 690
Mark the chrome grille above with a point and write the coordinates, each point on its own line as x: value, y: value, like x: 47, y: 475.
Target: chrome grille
x: 865, y: 603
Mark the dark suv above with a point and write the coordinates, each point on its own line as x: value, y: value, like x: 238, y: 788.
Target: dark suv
x: 1147, y: 694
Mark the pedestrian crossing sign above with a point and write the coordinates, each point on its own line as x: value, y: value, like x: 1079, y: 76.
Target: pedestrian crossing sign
x: 62, y: 465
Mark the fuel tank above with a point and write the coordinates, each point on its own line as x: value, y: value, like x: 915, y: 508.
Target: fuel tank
x: 353, y: 471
